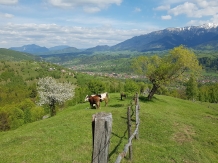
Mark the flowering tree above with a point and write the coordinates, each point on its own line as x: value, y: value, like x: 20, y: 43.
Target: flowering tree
x: 51, y: 92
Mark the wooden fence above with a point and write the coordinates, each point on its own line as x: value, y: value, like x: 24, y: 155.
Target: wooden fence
x: 101, y: 130
x: 128, y: 146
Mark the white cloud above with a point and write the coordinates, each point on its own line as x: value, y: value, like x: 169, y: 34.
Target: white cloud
x: 88, y: 5
x: 13, y: 35
x: 196, y: 8
x: 137, y: 9
x: 8, y: 2
x: 186, y: 8
x: 166, y: 17
x: 202, y: 4
x: 6, y: 15
x: 165, y: 7
x: 173, y: 1
x: 214, y: 19
x: 91, y: 9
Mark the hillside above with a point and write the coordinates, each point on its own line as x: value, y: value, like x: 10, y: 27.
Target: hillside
x: 18, y: 78
x: 171, y: 130
x: 11, y: 55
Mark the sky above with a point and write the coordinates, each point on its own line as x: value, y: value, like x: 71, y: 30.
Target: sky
x: 88, y: 23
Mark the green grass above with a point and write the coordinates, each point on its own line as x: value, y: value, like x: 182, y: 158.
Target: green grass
x: 171, y: 130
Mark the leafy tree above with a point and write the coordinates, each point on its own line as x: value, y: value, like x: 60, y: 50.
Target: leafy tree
x: 209, y: 93
x: 162, y: 71
x: 192, y: 88
x: 52, y: 92
x: 33, y: 91
x: 26, y: 105
x: 131, y: 87
x: 96, y: 86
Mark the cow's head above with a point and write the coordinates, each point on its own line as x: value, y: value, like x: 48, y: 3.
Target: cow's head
x: 87, y: 98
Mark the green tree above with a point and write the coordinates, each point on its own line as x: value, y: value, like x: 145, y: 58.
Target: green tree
x: 131, y: 87
x: 26, y: 105
x: 192, y: 88
x: 96, y: 86
x: 169, y: 68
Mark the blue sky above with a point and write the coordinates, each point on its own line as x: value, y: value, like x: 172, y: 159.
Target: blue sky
x: 88, y: 23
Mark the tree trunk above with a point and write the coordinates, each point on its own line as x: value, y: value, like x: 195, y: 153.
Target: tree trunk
x: 153, y: 91
x: 52, y: 107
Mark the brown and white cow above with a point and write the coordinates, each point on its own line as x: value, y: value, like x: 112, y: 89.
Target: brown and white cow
x: 103, y: 97
x: 94, y: 101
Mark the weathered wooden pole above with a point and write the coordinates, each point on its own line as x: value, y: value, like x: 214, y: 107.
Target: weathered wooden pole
x: 137, y: 119
x: 101, y: 130
x: 129, y: 130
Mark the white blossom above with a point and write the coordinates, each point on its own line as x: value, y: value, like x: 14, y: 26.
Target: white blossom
x: 49, y: 90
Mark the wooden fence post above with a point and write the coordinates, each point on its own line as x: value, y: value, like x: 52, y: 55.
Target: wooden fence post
x: 137, y: 120
x: 129, y: 130
x: 101, y: 131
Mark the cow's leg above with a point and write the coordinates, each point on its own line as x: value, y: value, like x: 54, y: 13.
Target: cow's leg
x: 98, y: 105
x: 91, y: 105
x: 106, y: 101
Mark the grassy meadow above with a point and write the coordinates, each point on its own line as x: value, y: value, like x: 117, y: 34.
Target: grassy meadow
x: 171, y: 130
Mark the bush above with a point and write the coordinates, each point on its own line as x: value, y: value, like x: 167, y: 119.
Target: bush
x: 4, y: 121
x: 16, y: 118
x: 26, y: 105
x: 36, y: 113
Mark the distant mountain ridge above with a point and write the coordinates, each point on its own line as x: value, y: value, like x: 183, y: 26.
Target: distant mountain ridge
x: 32, y: 49
x: 38, y: 50
x: 192, y: 36
x: 197, y: 37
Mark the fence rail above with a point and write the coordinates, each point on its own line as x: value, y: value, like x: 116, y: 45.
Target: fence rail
x: 135, y: 134
x: 126, y: 148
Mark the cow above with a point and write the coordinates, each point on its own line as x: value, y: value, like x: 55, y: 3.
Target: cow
x: 122, y: 95
x: 103, y: 97
x: 94, y: 101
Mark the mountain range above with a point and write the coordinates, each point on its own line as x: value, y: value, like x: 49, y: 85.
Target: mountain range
x: 196, y: 37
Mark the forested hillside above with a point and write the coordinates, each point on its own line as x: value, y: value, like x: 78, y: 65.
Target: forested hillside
x: 18, y: 79
x: 18, y: 90
x: 11, y: 55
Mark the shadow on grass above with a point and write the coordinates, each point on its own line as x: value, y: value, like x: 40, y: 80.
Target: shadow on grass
x: 120, y: 141
x: 154, y: 99
x: 121, y: 137
x: 117, y: 105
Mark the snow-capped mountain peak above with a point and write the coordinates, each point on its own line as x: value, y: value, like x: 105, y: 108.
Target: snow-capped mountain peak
x: 209, y: 25
x: 205, y: 26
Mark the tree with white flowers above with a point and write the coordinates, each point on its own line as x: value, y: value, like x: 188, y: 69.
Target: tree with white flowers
x: 51, y: 92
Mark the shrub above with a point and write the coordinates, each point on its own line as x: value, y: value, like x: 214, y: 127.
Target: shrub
x: 4, y: 121
x: 36, y: 113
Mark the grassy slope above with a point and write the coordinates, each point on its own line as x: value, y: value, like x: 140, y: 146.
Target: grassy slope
x: 171, y: 130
